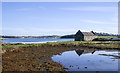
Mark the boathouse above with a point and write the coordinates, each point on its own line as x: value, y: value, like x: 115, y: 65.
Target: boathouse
x: 85, y: 36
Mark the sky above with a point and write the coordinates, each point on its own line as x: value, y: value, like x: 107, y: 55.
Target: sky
x: 58, y: 18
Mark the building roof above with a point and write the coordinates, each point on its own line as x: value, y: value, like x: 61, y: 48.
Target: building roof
x: 79, y: 33
x: 85, y: 33
x: 88, y: 34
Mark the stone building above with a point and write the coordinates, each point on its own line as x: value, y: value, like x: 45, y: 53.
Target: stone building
x: 85, y: 36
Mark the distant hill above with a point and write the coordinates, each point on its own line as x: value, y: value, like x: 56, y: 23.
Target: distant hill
x: 68, y: 36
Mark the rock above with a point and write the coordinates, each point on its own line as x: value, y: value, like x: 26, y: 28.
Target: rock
x: 45, y: 62
x: 85, y: 67
x: 70, y: 66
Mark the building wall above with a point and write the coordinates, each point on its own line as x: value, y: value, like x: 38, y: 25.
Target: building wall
x: 79, y: 38
x: 89, y: 38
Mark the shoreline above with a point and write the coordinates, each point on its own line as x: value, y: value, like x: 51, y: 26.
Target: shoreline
x: 88, y: 44
x: 37, y: 57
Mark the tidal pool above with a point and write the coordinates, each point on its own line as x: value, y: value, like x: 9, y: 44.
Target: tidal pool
x: 84, y: 60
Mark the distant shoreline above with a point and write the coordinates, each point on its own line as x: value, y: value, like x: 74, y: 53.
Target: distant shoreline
x: 30, y: 36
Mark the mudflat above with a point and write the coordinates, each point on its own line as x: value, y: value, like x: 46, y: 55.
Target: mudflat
x: 37, y: 57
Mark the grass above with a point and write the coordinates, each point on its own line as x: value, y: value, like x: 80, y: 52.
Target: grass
x: 21, y: 45
x: 107, y: 37
x: 94, y: 43
x: 83, y: 42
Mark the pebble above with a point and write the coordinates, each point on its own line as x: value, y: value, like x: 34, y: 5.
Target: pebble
x: 70, y: 66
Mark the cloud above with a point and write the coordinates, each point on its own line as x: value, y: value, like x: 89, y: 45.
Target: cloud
x: 37, y: 31
x: 99, y: 22
x: 102, y: 26
x: 91, y: 9
x: 24, y: 9
x: 29, y: 9
x: 111, y: 30
x: 115, y: 19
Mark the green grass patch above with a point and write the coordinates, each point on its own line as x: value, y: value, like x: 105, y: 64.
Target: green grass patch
x: 107, y: 37
x: 62, y: 42
x: 21, y: 45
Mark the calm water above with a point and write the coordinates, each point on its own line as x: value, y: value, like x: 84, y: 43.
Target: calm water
x: 88, y: 61
x: 33, y: 40
x: 113, y: 38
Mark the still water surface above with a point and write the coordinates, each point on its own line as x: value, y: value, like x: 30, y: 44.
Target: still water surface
x: 33, y: 40
x: 88, y: 61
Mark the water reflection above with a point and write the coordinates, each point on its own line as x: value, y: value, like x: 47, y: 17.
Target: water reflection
x: 87, y: 60
x: 81, y: 51
x: 93, y: 52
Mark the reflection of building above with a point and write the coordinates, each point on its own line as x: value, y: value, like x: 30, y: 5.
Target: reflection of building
x: 80, y: 52
x: 93, y: 52
x: 81, y: 36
